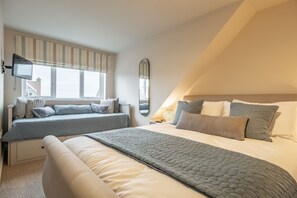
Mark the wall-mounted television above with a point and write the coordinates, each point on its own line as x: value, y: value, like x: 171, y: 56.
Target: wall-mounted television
x: 21, y: 67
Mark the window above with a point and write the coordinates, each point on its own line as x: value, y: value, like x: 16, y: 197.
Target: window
x: 40, y: 85
x: 91, y: 84
x: 65, y: 83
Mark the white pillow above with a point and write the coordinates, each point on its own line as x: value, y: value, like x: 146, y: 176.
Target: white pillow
x: 226, y: 109
x: 33, y: 103
x: 212, y: 108
x: 285, y: 119
x: 109, y: 103
x: 20, y: 107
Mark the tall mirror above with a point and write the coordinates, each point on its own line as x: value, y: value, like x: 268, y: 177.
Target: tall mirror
x: 144, y: 87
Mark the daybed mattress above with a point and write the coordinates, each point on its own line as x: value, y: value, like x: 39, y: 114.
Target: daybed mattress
x: 129, y: 178
x: 63, y: 125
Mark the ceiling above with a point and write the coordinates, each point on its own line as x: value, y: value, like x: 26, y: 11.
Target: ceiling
x: 111, y: 25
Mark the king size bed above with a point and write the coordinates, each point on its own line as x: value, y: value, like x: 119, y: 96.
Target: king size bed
x: 166, y: 160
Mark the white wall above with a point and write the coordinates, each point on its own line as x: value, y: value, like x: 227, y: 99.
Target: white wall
x: 1, y: 75
x: 13, y: 85
x: 171, y: 54
x: 262, y: 58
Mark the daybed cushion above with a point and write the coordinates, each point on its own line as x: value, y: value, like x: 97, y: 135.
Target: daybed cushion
x: 72, y: 109
x: 110, y: 103
x: 33, y: 103
x: 43, y: 112
x: 116, y: 108
x: 97, y: 108
x: 63, y: 125
x: 20, y: 107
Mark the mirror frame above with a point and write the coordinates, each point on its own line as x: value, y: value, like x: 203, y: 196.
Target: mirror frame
x: 145, y: 60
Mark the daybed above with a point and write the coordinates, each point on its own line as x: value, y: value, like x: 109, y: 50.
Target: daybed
x: 25, y: 135
x: 105, y: 165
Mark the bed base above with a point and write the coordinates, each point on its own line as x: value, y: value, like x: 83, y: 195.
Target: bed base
x: 65, y: 175
x: 28, y: 150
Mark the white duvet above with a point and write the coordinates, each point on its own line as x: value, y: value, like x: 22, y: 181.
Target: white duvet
x: 129, y: 178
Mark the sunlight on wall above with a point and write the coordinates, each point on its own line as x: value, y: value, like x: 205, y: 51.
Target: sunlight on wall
x: 224, y: 37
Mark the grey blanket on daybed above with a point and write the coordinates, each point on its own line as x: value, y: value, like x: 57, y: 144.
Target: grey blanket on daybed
x: 210, y: 170
x: 64, y: 125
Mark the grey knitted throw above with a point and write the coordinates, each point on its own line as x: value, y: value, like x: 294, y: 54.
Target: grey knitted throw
x: 210, y: 170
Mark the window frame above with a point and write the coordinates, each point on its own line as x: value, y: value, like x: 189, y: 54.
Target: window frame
x: 102, y: 86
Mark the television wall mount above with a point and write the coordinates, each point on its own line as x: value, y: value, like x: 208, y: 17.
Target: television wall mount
x: 4, y: 67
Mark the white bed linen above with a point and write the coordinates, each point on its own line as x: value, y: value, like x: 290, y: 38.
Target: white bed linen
x: 129, y: 178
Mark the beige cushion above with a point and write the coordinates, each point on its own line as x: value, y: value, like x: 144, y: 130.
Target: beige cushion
x: 116, y: 104
x: 33, y: 103
x: 229, y: 127
x: 20, y: 107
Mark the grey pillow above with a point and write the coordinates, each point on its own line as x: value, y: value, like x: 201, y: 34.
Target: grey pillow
x: 99, y: 108
x: 72, y: 109
x: 191, y: 107
x: 43, y: 112
x: 260, y: 118
x: 33, y: 103
x: 229, y: 127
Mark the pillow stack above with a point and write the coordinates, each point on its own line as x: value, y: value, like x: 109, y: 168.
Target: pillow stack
x: 29, y: 108
x: 260, y: 118
x: 113, y: 105
x: 284, y: 123
x: 257, y: 121
x: 23, y: 106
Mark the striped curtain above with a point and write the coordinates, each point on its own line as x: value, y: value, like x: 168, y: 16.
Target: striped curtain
x: 56, y: 54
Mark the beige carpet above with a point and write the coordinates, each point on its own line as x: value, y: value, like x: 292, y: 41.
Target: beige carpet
x: 22, y: 181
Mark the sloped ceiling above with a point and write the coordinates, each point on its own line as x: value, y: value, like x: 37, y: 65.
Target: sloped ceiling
x: 111, y: 25
x: 228, y: 32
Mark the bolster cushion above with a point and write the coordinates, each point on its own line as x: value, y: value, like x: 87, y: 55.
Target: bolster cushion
x: 229, y: 127
x: 72, y: 109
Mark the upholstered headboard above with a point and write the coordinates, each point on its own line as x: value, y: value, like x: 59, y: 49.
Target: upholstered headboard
x: 261, y: 98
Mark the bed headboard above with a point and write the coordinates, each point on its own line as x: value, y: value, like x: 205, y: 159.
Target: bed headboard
x: 246, y: 97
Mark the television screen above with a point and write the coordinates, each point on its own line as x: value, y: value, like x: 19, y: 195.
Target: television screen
x: 21, y: 67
